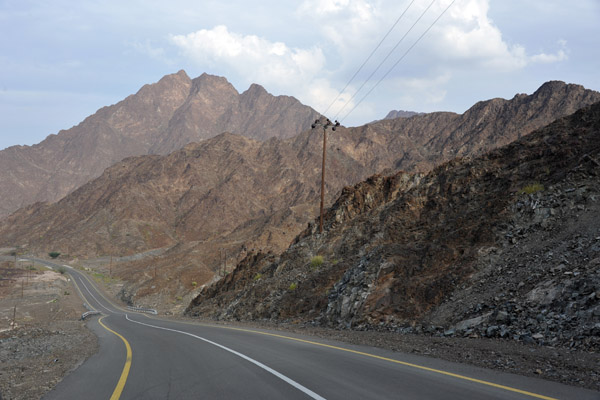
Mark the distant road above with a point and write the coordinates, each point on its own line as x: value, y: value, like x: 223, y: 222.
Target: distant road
x: 143, y: 357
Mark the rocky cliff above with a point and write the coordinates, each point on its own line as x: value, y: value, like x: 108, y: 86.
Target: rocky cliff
x: 502, y: 245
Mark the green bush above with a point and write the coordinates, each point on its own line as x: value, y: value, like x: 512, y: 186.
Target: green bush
x: 257, y: 277
x: 54, y: 254
x: 533, y: 188
x: 62, y: 270
x: 316, y: 262
x: 194, y: 283
x: 293, y: 286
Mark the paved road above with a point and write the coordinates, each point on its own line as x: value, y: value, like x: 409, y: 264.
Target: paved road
x: 144, y: 357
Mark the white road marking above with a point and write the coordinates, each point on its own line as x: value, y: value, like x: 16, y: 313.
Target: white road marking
x: 94, y: 297
x: 253, y: 361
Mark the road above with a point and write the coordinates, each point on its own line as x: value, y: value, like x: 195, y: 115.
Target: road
x: 145, y: 357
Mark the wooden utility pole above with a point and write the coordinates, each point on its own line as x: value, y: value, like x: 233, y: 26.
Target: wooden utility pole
x: 323, y: 177
x: 327, y: 124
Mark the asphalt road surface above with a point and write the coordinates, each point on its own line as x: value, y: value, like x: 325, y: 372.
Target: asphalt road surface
x: 145, y: 357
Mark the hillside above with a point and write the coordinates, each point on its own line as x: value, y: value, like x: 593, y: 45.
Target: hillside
x: 233, y: 194
x: 158, y: 119
x: 502, y: 245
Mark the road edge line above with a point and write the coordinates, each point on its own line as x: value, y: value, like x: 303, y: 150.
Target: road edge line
x: 270, y: 370
x: 407, y: 364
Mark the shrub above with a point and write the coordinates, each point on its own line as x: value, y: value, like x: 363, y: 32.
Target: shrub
x: 54, y: 254
x: 293, y: 286
x: 531, y: 189
x: 257, y: 277
x: 316, y: 262
x: 194, y: 284
x: 62, y: 270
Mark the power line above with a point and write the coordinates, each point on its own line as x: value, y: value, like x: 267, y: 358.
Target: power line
x: 369, y: 57
x: 385, y: 59
x: 401, y: 58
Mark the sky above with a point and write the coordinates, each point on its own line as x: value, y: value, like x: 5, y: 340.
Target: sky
x: 60, y: 61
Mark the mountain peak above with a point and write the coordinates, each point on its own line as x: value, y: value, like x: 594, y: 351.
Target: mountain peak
x: 255, y: 89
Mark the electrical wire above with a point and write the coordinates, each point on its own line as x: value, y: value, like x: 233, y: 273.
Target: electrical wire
x: 385, y: 59
x: 401, y: 58
x: 369, y: 57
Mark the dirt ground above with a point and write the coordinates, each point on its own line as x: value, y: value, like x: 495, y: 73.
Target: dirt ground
x: 41, y: 335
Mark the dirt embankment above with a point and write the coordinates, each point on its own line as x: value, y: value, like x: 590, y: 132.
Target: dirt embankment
x: 41, y: 335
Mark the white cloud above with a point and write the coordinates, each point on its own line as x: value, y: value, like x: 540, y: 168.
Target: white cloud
x: 464, y: 39
x: 466, y: 34
x: 560, y: 55
x: 254, y: 58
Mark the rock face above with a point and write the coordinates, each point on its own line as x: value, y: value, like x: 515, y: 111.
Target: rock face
x: 233, y: 194
x: 502, y: 245
x: 158, y: 119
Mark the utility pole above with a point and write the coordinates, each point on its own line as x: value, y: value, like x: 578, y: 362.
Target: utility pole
x: 325, y: 125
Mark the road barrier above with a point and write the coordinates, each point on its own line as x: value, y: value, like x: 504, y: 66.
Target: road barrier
x: 88, y: 313
x: 143, y: 310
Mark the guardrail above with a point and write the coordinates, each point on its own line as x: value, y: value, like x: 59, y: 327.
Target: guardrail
x: 88, y: 313
x: 143, y: 310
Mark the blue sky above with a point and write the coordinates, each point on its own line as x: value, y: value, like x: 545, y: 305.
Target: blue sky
x: 61, y: 61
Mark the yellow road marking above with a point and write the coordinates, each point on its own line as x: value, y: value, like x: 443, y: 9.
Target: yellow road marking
x: 123, y: 379
x: 438, y: 371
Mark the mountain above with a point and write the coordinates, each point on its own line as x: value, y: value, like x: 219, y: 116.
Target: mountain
x: 401, y: 114
x: 158, y: 119
x: 233, y: 194
x: 502, y: 245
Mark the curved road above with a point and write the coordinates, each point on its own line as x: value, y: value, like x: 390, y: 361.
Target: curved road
x: 144, y: 357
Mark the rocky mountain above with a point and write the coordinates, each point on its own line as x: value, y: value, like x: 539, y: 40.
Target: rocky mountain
x: 233, y: 194
x: 504, y: 245
x: 158, y: 119
x: 400, y: 114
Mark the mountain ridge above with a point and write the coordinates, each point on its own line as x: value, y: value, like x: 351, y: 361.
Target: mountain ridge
x: 158, y: 119
x: 235, y: 193
x: 503, y: 245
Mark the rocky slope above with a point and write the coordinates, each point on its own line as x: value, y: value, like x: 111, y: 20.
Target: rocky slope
x: 158, y: 119
x: 503, y: 245
x: 233, y: 194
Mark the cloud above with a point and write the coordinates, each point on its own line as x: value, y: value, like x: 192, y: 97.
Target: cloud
x: 560, y: 55
x: 346, y: 31
x: 277, y: 66
x: 467, y: 35
x: 256, y: 59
